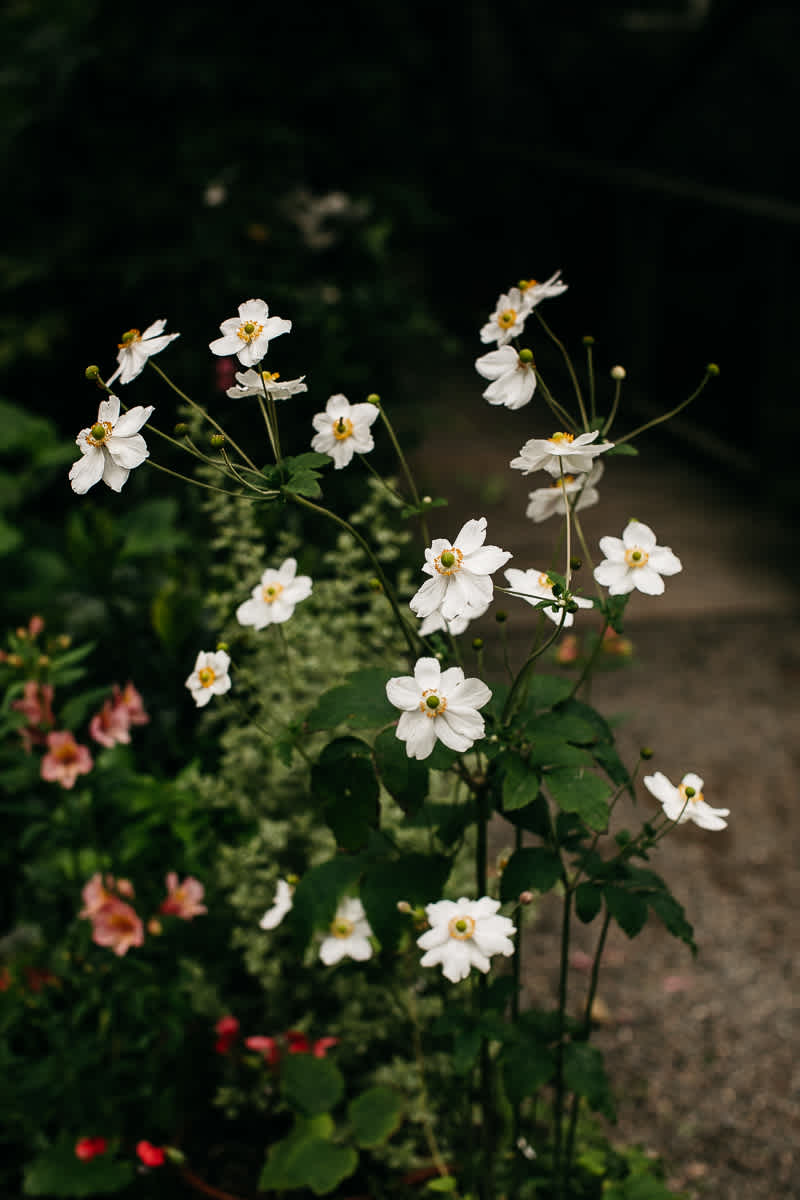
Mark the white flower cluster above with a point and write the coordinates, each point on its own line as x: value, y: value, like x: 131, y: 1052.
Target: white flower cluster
x: 513, y: 373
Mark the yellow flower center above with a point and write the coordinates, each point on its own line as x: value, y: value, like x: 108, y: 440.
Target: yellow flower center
x: 563, y: 481
x: 340, y: 928
x: 695, y: 798
x: 461, y: 928
x: 67, y: 753
x: 206, y: 676
x: 270, y: 593
x: 121, y: 921
x: 545, y: 581
x: 563, y: 437
x: 449, y: 561
x: 99, y: 432
x: 507, y: 318
x: 342, y: 428
x: 270, y: 376
x: 133, y: 335
x: 636, y: 556
x: 248, y: 331
x: 432, y: 704
x: 525, y: 284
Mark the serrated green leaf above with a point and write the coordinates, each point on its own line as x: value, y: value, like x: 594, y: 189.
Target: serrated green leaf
x: 588, y: 902
x: 309, y: 459
x: 375, y: 1115
x: 303, y: 483
x: 405, y: 779
x: 627, y: 908
x: 360, y: 703
x: 311, y: 1085
x: 550, y: 751
x: 545, y: 691
x: 575, y: 790
x: 532, y: 868
x: 562, y: 723
x: 585, y: 1074
x: 520, y: 783
x: 671, y: 912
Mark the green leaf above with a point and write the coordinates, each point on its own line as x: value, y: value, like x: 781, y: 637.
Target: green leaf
x: 318, y: 893
x: 585, y: 1074
x: 405, y: 779
x: 308, y: 1158
x: 671, y: 912
x: 417, y: 878
x: 375, y: 1115
x: 312, y: 1085
x: 520, y: 782
x: 442, y: 1183
x: 565, y: 724
x: 576, y: 791
x: 588, y: 902
x: 344, y: 784
x: 303, y: 483
x: 549, y: 751
x: 627, y: 908
x: 533, y: 868
x: 545, y: 691
x: 10, y: 537
x: 527, y: 1065
x: 416, y: 510
x: 77, y: 710
x: 309, y: 459
x: 622, y: 448
x: 326, y: 1165
x: 58, y: 1172
x: 360, y: 703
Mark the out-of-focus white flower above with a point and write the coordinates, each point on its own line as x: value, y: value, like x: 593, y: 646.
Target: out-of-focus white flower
x: 461, y: 573
x: 686, y: 801
x: 273, y: 600
x: 508, y: 318
x: 135, y: 349
x: 563, y: 451
x: 249, y: 335
x: 533, y: 586
x: 254, y: 383
x: 549, y: 501
x: 349, y: 934
x: 111, y: 448
x: 281, y: 905
x: 635, y: 561
x: 465, y: 934
x: 534, y: 292
x: 514, y: 376
x: 210, y: 676
x: 437, y: 704
x: 344, y: 430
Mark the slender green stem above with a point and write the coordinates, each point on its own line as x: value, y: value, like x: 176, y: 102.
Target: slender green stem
x: 412, y: 487
x: 666, y: 417
x: 387, y: 589
x: 557, y: 409
x: 270, y: 431
x: 614, y: 407
x: 506, y: 657
x: 383, y: 482
x: 288, y: 656
x: 590, y: 371
x: 427, y: 1124
x: 527, y: 666
x: 199, y: 483
x: 558, y: 1102
x: 570, y: 368
x: 198, y: 408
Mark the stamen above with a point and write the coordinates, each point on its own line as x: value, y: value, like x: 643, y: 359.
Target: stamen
x: 340, y: 928
x: 249, y: 331
x: 270, y: 593
x: 133, y: 335
x: 636, y: 556
x: 689, y: 794
x: 545, y: 581
x: 507, y: 318
x: 563, y: 437
x: 432, y: 704
x: 206, y: 676
x: 342, y: 428
x: 461, y: 928
x: 449, y: 561
x: 99, y: 432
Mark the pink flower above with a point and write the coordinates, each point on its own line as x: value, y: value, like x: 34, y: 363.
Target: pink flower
x: 228, y: 1029
x: 117, y: 926
x: 65, y: 759
x: 132, y: 701
x: 111, y: 724
x: 266, y: 1046
x: 151, y: 1156
x: 89, y: 1147
x: 36, y: 705
x: 184, y: 900
x: 99, y: 892
x: 35, y: 625
x: 298, y: 1043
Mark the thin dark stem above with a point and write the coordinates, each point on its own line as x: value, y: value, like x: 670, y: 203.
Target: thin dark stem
x: 558, y: 1103
x: 570, y: 368
x: 667, y: 415
x: 193, y: 404
x: 412, y: 487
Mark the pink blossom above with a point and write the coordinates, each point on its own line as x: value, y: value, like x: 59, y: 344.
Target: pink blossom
x: 35, y: 625
x: 184, y: 900
x: 36, y: 705
x: 111, y: 724
x: 98, y: 892
x: 89, y: 1147
x: 117, y: 926
x: 228, y: 1029
x: 132, y: 701
x: 65, y: 759
x: 266, y: 1046
x: 151, y: 1156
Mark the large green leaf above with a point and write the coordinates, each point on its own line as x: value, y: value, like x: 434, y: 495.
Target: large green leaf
x: 520, y: 782
x: 318, y: 894
x: 588, y: 901
x: 575, y: 790
x: 533, y: 868
x: 627, y: 908
x: 527, y: 1065
x: 550, y: 751
x: 360, y: 703
x: 585, y: 1074
x: 417, y: 878
x: 58, y: 1172
x: 375, y: 1115
x: 308, y: 1158
x: 405, y: 779
x: 344, y: 785
x: 311, y: 1085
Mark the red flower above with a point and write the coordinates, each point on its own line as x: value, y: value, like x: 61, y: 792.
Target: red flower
x: 228, y: 1030
x: 90, y: 1147
x: 298, y: 1043
x: 266, y: 1046
x: 151, y: 1156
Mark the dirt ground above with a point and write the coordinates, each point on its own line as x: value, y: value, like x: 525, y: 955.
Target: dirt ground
x: 701, y: 1052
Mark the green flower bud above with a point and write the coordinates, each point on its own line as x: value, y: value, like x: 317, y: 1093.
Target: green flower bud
x: 404, y: 907
x: 92, y: 372
x: 646, y: 753
x: 374, y: 398
x: 222, y: 645
x: 181, y: 429
x: 557, y: 589
x: 217, y: 440
x: 500, y: 616
x: 572, y: 607
x: 689, y: 792
x: 477, y: 644
x: 575, y: 564
x: 526, y: 356
x: 588, y: 340
x: 622, y: 838
x: 712, y: 369
x: 375, y: 585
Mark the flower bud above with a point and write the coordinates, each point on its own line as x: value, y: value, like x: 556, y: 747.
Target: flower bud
x: 712, y: 369
x: 64, y: 641
x: 375, y: 585
x: 43, y: 660
x: 404, y: 907
x: 500, y: 616
x: 618, y: 373
x: 646, y: 752
x: 477, y: 643
x: 689, y: 792
x: 222, y: 645
x: 374, y: 398
x: 181, y: 429
x: 622, y: 838
x: 526, y: 356
x: 588, y: 340
x: 575, y: 564
x: 175, y: 1155
x: 427, y: 499
x: 35, y: 625
x: 572, y: 607
x: 217, y: 440
x: 557, y: 589
x: 92, y: 372
x: 526, y: 897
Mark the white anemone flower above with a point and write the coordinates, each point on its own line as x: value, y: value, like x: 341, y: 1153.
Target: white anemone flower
x: 514, y: 376
x: 465, y: 934
x: 255, y: 383
x: 248, y: 335
x: 135, y: 349
x: 565, y: 452
x: 508, y: 318
x: 437, y: 704
x: 549, y: 501
x: 344, y: 430
x: 533, y: 586
x: 635, y: 561
x: 210, y: 676
x: 111, y: 448
x: 461, y: 573
x: 435, y: 623
x: 534, y: 292
x: 349, y: 934
x: 274, y: 599
x: 686, y: 801
x: 281, y: 905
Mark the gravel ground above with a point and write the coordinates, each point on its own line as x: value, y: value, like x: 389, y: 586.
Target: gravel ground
x: 701, y: 1051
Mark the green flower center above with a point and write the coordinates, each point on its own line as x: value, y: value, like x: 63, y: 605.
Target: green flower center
x: 270, y: 593
x: 461, y: 928
x: 206, y: 676
x: 507, y: 318
x: 249, y: 331
x: 341, y: 928
x: 342, y: 428
x: 133, y: 335
x: 100, y: 431
x: 449, y: 561
x: 636, y: 557
x: 433, y: 702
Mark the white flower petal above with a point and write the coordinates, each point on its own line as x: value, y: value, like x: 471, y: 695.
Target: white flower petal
x: 87, y: 471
